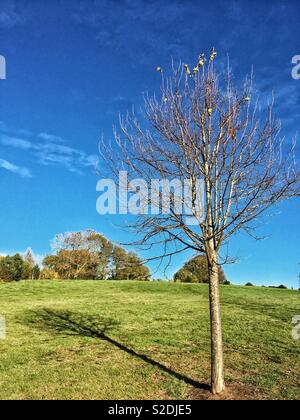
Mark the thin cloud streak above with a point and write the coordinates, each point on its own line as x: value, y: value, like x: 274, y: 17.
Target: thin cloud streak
x: 51, y: 138
x: 48, y: 152
x: 18, y: 170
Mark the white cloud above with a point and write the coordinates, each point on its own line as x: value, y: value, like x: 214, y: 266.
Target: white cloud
x: 48, y: 149
x: 51, y: 138
x: 15, y: 142
x: 11, y: 167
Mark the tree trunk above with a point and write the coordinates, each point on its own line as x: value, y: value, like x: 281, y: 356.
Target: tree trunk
x: 217, y: 366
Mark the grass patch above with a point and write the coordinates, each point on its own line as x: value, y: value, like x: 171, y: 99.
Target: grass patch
x: 129, y: 340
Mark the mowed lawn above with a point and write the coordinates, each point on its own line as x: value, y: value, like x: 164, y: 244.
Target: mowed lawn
x: 130, y: 340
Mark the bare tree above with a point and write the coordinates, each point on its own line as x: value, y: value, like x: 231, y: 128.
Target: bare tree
x: 28, y: 257
x: 202, y: 127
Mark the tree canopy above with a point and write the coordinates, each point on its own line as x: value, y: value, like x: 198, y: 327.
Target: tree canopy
x: 88, y: 255
x: 214, y: 137
x: 196, y: 270
x: 16, y: 268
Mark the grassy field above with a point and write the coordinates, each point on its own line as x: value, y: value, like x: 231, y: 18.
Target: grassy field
x: 128, y: 340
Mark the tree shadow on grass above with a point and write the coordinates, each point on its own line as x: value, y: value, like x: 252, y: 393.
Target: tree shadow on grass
x: 97, y: 327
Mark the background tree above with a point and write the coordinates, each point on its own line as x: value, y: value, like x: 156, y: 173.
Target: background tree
x: 88, y: 255
x: 6, y: 268
x: 36, y: 272
x: 101, y: 246
x: 128, y: 266
x: 202, y: 127
x: 31, y: 270
x: 196, y: 271
x: 29, y: 259
x: 83, y: 255
x: 185, y: 276
x: 73, y: 265
x: 12, y: 268
x: 26, y: 271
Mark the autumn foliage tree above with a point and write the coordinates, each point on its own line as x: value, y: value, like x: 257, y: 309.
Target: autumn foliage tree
x: 80, y: 255
x: 72, y: 265
x: 88, y: 255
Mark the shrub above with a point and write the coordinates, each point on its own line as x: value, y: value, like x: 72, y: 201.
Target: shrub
x: 47, y: 274
x: 185, y: 276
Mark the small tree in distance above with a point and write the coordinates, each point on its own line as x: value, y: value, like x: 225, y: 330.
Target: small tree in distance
x: 30, y: 263
x: 196, y: 271
x: 202, y: 127
x: 128, y: 266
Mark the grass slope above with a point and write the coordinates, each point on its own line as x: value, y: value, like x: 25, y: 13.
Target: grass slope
x: 128, y: 340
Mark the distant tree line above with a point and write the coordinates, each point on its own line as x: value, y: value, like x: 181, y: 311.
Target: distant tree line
x: 85, y: 255
x: 282, y: 286
x: 18, y: 267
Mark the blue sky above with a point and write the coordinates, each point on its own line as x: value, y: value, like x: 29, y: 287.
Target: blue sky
x: 72, y: 66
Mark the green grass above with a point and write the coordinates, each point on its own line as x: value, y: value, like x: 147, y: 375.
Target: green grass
x: 128, y: 340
